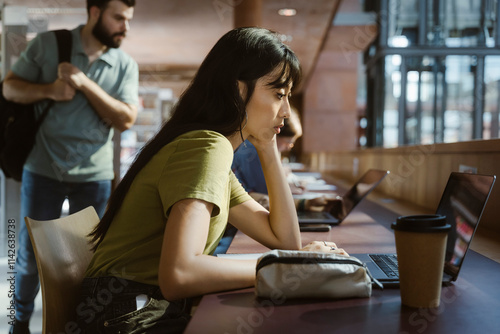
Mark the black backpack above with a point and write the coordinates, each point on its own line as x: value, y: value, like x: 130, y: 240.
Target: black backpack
x: 18, y: 123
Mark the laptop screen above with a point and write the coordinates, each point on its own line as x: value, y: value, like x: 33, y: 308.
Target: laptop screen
x: 462, y: 203
x: 360, y: 190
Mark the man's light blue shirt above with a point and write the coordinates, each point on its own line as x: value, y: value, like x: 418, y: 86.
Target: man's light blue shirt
x: 73, y: 143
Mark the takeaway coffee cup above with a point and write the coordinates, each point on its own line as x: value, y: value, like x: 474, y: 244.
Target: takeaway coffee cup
x: 420, y: 246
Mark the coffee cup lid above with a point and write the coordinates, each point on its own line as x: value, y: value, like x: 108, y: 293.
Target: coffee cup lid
x: 421, y: 223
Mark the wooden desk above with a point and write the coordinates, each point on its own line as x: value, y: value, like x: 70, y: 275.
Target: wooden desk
x: 470, y: 305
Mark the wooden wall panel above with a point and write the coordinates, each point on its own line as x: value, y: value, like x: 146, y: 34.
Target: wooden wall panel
x: 418, y: 173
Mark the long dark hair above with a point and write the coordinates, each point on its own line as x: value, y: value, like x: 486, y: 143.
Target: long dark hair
x: 213, y: 100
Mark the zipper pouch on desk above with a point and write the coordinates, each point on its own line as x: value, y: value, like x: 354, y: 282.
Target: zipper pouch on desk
x: 302, y: 274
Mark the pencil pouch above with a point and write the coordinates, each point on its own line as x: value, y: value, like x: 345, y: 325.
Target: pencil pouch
x: 302, y: 274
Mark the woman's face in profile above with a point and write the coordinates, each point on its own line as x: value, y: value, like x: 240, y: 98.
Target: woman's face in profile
x: 267, y: 109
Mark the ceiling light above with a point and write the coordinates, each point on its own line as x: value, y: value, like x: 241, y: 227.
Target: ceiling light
x: 287, y: 12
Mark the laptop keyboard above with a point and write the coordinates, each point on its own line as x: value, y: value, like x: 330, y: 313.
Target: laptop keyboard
x: 388, y: 263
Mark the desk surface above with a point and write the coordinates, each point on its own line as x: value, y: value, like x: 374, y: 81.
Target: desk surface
x: 470, y: 305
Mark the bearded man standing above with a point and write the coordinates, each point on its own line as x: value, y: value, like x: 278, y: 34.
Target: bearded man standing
x: 73, y: 155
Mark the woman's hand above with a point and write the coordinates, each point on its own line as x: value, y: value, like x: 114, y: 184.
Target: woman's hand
x: 325, y: 247
x: 316, y: 203
x: 296, y: 189
x: 325, y: 203
x: 260, y: 198
x: 264, y: 143
x: 280, y: 226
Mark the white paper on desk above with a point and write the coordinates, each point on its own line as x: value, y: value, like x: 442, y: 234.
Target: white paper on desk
x: 295, y: 166
x: 308, y: 175
x: 311, y: 195
x: 247, y: 256
x: 320, y: 187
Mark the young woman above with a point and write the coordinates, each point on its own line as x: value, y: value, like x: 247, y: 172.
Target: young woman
x: 247, y: 168
x: 153, y: 245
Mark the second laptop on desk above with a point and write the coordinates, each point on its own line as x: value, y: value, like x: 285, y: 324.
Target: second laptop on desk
x: 463, y: 201
x: 346, y: 202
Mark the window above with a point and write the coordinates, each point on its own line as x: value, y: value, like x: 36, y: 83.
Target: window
x: 492, y: 96
x: 439, y: 63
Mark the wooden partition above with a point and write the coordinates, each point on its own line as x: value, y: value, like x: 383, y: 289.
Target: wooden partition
x: 419, y: 173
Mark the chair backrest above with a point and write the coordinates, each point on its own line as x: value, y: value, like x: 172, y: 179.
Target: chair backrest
x: 62, y: 254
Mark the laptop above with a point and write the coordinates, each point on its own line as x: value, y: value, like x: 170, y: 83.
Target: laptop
x: 463, y: 202
x: 349, y: 200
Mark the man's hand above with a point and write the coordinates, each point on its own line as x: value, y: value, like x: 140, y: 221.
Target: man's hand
x: 112, y: 111
x: 62, y: 91
x: 72, y: 75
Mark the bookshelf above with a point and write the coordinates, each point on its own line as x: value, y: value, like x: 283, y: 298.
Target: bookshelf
x: 155, y: 105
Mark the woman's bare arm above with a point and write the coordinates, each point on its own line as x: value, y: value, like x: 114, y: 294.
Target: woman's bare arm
x: 184, y: 270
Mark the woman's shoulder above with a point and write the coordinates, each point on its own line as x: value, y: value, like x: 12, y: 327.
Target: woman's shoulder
x: 203, y: 138
x: 203, y: 134
x: 207, y: 148
x: 199, y: 143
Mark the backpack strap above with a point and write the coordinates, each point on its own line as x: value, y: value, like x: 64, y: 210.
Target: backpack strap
x: 64, y: 46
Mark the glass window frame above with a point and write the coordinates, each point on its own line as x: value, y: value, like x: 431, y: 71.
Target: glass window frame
x: 375, y: 58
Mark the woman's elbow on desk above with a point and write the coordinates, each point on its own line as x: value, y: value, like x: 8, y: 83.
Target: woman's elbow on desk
x: 175, y: 284
x: 206, y: 275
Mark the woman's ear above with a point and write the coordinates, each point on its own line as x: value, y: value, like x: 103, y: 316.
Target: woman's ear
x: 243, y: 89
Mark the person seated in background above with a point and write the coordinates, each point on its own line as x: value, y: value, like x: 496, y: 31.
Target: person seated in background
x: 247, y: 168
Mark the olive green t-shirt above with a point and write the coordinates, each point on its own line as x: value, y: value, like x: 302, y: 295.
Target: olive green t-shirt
x: 195, y: 165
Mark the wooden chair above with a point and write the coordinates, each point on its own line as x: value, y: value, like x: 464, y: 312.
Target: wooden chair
x: 62, y: 255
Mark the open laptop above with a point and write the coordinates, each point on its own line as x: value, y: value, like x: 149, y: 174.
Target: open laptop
x: 463, y: 202
x: 348, y: 202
